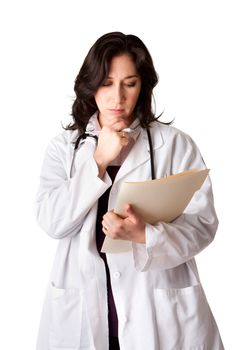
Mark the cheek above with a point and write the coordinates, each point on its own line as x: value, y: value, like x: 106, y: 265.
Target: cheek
x: 100, y: 98
x: 134, y: 97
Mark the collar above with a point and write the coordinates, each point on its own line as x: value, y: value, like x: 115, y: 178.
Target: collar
x: 94, y: 128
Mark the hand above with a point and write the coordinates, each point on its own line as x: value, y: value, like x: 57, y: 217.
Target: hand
x: 130, y: 228
x: 111, y: 141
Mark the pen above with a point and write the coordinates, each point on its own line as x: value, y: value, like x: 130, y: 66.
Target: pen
x: 128, y: 130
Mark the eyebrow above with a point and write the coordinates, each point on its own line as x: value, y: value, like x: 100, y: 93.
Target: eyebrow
x: 128, y: 77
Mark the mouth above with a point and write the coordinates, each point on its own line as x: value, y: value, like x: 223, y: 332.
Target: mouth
x: 116, y: 110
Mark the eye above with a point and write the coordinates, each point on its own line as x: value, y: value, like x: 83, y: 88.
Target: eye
x: 131, y: 84
x: 107, y: 83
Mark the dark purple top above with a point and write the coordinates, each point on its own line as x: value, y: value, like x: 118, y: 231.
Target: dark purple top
x: 102, y: 209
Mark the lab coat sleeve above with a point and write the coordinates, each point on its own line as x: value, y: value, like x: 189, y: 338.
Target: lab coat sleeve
x: 62, y: 202
x: 171, y: 244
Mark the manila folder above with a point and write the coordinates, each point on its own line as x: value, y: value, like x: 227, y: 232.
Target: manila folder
x: 156, y: 200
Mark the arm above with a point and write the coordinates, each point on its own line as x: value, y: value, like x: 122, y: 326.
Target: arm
x: 171, y: 244
x: 62, y: 203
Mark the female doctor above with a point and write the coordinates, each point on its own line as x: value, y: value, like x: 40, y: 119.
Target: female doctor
x: 151, y: 296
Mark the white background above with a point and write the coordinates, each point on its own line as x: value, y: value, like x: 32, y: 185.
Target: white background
x: 43, y: 44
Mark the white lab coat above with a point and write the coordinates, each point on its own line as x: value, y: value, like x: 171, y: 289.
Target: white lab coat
x: 160, y: 302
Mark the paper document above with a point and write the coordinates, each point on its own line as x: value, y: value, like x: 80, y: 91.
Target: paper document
x: 156, y: 200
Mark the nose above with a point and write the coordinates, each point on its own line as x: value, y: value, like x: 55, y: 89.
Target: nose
x: 118, y: 96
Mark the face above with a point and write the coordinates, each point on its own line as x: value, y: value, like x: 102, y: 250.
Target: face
x: 118, y: 95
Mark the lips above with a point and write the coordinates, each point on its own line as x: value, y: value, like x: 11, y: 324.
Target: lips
x: 116, y: 110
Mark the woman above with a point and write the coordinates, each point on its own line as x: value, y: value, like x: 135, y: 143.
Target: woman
x: 147, y: 298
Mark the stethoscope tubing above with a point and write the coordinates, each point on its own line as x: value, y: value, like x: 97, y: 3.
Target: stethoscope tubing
x: 152, y: 162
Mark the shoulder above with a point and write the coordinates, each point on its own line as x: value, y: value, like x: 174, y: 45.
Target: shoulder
x: 171, y: 134
x: 64, y: 139
x: 60, y: 144
x: 178, y: 147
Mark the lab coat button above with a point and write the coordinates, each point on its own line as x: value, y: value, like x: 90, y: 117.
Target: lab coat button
x: 117, y: 274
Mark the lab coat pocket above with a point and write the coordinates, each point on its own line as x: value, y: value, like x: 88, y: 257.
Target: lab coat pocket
x: 66, y: 318
x: 182, y: 318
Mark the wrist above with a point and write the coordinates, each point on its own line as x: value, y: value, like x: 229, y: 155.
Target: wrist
x: 102, y: 166
x: 142, y: 236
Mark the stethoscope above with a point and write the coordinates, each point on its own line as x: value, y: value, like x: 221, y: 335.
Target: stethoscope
x: 126, y: 130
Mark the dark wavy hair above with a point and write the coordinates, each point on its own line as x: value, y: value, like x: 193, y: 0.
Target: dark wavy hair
x: 95, y: 69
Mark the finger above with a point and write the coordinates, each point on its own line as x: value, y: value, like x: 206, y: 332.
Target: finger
x: 129, y: 209
x: 107, y: 222
x: 105, y: 230
x: 119, y: 125
x: 124, y: 141
x: 110, y: 215
x: 112, y: 221
x: 105, y: 227
x: 131, y: 215
x: 124, y: 134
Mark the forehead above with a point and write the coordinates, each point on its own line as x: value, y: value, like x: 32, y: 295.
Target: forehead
x: 122, y: 65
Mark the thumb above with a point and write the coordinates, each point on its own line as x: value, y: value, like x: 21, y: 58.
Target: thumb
x: 130, y: 213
